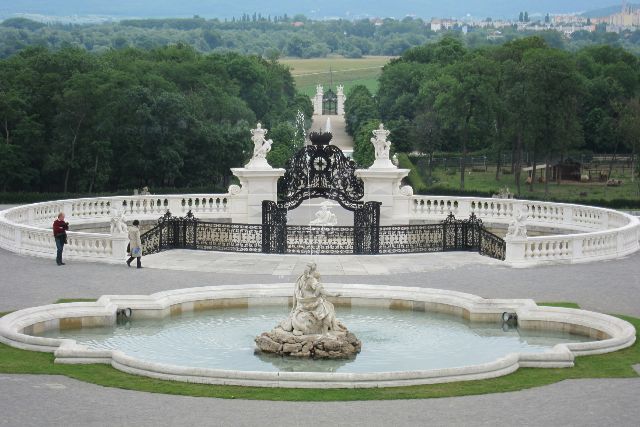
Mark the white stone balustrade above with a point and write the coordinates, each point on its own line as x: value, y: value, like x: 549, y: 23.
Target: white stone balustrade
x: 27, y: 229
x: 594, y: 233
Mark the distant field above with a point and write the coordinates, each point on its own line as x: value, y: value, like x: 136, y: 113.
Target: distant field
x: 348, y: 72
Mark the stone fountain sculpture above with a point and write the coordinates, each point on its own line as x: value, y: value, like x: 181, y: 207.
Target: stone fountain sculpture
x: 518, y: 227
x: 261, y: 147
x: 381, y: 147
x: 312, y: 329
x: 324, y: 217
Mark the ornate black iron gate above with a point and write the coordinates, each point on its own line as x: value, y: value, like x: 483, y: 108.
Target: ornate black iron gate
x: 330, y: 103
x: 321, y: 171
x: 450, y: 235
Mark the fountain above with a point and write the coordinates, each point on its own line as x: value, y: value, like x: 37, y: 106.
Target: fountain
x: 324, y: 217
x: 312, y: 329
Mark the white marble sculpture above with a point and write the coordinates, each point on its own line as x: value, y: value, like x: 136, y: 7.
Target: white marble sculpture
x: 518, y: 227
x: 261, y: 147
x: 381, y: 146
x: 324, y: 217
x: 311, y: 313
x: 311, y: 329
x: 117, y: 224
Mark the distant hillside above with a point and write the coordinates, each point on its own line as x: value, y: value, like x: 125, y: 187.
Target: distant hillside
x: 606, y: 11
x: 310, y: 8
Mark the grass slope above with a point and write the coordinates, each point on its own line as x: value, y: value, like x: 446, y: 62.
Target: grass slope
x: 349, y: 72
x: 613, y: 365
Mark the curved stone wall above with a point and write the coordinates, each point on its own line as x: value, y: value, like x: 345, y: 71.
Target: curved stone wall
x: 609, y: 333
x: 594, y: 233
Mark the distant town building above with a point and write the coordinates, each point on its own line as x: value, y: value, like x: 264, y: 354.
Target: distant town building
x: 628, y: 17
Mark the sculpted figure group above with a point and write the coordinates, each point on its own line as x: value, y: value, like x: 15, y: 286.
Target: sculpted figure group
x: 311, y: 329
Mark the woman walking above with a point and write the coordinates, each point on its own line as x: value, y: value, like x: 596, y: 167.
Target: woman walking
x: 135, y: 245
x: 60, y: 228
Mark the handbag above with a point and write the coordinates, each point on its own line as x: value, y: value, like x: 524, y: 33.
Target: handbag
x: 136, y: 252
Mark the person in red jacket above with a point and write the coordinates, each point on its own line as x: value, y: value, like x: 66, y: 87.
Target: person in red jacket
x: 60, y: 228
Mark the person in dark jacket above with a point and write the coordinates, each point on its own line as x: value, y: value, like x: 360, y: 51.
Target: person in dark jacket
x: 60, y: 228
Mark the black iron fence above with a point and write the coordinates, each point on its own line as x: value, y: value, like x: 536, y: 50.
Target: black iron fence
x: 450, y: 235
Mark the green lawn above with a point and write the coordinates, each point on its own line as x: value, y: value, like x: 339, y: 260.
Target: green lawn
x: 613, y: 365
x: 569, y: 191
x: 349, y: 72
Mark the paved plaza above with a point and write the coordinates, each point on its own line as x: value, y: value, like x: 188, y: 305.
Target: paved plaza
x: 612, y: 287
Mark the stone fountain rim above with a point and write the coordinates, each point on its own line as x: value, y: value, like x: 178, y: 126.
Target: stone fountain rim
x: 14, y: 327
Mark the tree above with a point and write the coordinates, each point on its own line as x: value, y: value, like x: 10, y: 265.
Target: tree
x: 427, y: 137
x: 359, y: 108
x: 553, y: 85
x: 464, y: 99
x: 363, y: 150
x: 629, y: 125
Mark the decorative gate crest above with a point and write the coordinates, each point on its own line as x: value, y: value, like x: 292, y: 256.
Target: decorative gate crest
x: 321, y: 171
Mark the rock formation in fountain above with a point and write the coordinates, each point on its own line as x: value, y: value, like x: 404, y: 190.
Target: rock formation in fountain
x: 311, y: 330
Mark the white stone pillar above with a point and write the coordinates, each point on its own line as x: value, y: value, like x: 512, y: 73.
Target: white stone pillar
x: 256, y: 185
x: 341, y: 99
x: 317, y: 100
x: 258, y: 181
x: 382, y: 182
x: 383, y: 185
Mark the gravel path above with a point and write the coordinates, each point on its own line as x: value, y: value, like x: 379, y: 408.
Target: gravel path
x: 612, y: 287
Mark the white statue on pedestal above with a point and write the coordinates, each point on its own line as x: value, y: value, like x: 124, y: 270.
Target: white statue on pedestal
x: 319, y: 90
x: 261, y: 147
x: 311, y: 313
x: 340, y: 90
x: 381, y: 145
x: 324, y: 217
x: 117, y: 224
x: 518, y: 227
x: 311, y: 329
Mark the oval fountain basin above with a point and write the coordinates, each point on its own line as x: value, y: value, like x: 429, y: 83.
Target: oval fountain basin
x: 393, y: 340
x: 410, y: 335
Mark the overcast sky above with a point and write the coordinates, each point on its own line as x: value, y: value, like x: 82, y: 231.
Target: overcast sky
x: 315, y: 8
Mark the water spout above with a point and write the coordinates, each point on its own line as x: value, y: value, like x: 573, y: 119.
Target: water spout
x: 327, y: 127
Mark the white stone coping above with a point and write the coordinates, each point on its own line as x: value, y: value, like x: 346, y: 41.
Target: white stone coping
x: 614, y: 333
x: 595, y: 233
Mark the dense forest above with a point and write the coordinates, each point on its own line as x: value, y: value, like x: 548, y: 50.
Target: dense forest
x: 521, y: 96
x: 74, y: 121
x: 275, y: 36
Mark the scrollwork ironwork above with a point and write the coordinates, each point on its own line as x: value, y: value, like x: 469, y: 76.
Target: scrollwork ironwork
x: 368, y: 238
x: 491, y: 245
x: 318, y: 171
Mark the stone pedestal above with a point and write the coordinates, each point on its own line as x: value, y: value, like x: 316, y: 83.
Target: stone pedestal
x: 515, y: 251
x: 257, y: 184
x: 119, y: 244
x: 382, y: 184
